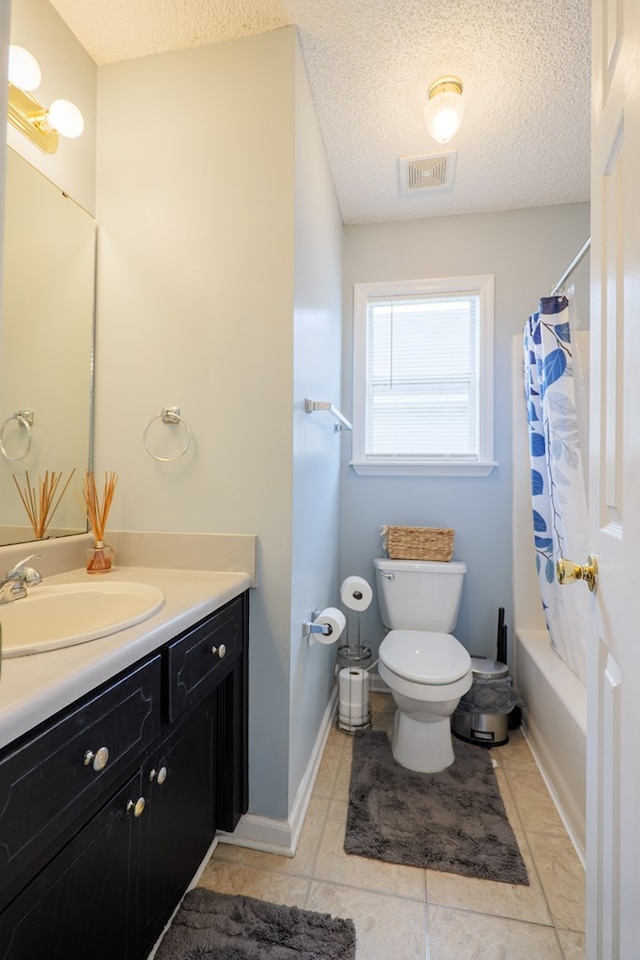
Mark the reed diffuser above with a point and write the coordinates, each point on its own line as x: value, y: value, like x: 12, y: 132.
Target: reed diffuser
x: 40, y: 507
x: 100, y: 556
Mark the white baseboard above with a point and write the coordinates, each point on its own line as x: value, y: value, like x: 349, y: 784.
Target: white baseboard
x: 281, y: 836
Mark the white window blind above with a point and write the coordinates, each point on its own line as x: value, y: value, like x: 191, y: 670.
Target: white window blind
x: 422, y: 377
x: 422, y: 390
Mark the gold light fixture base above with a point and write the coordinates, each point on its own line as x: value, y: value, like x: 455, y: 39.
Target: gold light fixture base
x: 445, y: 85
x: 30, y: 118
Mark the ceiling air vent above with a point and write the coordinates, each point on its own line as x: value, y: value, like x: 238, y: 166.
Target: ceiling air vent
x: 427, y: 173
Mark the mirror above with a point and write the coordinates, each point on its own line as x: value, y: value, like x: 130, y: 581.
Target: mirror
x: 46, y: 353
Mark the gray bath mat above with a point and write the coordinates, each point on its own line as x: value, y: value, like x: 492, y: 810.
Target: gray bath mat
x: 221, y: 926
x: 453, y: 821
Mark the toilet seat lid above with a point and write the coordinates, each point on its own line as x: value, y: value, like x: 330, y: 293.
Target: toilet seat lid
x: 424, y: 657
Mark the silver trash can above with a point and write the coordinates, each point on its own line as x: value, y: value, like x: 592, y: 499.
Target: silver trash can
x: 485, y: 728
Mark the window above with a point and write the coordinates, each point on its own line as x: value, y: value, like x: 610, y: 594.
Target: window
x: 423, y: 377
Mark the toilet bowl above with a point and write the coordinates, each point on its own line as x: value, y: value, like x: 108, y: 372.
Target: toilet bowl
x: 427, y: 674
x: 427, y: 670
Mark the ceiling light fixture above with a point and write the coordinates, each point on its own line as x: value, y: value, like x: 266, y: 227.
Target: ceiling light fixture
x: 444, y: 108
x: 40, y: 125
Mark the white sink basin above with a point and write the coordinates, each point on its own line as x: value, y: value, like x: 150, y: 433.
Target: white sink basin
x: 70, y: 613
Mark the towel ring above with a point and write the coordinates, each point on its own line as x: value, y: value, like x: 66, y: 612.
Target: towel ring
x: 167, y: 415
x: 25, y: 419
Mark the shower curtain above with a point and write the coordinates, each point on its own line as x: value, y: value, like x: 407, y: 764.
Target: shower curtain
x: 557, y: 478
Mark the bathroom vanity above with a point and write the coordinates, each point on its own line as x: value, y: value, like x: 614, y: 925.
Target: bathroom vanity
x: 109, y: 804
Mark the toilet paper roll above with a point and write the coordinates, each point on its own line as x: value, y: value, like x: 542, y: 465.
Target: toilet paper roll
x: 356, y: 593
x: 353, y: 685
x: 330, y: 617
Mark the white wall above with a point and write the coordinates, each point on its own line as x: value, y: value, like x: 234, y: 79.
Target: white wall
x: 68, y: 72
x: 196, y: 308
x: 527, y: 251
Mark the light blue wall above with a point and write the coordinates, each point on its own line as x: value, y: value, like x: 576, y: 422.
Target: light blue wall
x: 526, y: 251
x: 316, y: 448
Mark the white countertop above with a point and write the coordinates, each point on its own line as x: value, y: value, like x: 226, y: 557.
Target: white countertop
x: 35, y: 687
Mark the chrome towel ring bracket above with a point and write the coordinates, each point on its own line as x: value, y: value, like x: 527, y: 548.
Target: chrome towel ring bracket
x: 24, y: 419
x: 170, y: 415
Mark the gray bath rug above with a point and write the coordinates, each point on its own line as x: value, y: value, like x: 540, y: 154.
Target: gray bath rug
x: 453, y: 821
x: 221, y: 926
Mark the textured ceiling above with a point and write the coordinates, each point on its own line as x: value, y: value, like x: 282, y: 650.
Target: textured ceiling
x: 525, y: 65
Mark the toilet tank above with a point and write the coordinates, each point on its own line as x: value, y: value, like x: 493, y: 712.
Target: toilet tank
x: 419, y: 594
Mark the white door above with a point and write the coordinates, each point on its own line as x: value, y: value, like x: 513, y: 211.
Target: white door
x: 613, y: 751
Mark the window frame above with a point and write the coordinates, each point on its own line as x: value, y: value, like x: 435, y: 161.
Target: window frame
x: 482, y: 286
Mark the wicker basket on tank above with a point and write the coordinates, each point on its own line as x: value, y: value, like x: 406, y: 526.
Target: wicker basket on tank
x: 418, y: 543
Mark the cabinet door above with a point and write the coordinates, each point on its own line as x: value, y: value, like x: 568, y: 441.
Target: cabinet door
x: 52, y: 781
x: 82, y: 905
x: 232, y: 789
x: 179, y: 818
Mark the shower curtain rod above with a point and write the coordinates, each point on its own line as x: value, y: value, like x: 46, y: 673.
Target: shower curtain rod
x: 572, y: 266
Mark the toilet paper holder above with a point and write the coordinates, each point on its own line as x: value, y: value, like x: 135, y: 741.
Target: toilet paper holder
x: 309, y: 626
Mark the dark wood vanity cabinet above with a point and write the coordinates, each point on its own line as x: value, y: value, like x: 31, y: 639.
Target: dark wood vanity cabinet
x: 93, y: 862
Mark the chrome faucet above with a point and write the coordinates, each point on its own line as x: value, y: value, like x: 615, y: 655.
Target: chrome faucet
x: 13, y: 585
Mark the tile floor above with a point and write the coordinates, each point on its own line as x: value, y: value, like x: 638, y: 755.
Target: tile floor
x: 407, y: 913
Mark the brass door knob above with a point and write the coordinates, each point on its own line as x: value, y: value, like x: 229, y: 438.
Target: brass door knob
x: 569, y: 572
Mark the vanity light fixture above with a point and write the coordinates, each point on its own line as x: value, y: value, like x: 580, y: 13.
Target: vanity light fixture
x: 38, y: 124
x: 444, y: 108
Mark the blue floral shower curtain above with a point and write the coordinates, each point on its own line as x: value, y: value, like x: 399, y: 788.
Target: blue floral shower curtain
x: 557, y: 478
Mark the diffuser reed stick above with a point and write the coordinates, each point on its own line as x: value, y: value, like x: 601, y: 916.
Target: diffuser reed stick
x: 97, y: 513
x: 41, y: 508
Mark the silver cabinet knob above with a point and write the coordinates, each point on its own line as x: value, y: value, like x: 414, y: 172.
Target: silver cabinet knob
x: 220, y: 651
x: 158, y: 775
x: 137, y: 806
x: 97, y: 760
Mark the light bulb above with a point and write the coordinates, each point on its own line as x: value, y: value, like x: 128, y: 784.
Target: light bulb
x: 24, y: 69
x: 444, y: 109
x: 66, y: 118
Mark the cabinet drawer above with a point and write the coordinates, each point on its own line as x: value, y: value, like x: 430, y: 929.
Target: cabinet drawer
x: 50, y: 781
x: 198, y: 660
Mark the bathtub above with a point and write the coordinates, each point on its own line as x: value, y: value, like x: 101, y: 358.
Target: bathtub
x: 554, y: 721
x: 555, y: 711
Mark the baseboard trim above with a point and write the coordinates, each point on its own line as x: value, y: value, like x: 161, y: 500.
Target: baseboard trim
x: 271, y: 834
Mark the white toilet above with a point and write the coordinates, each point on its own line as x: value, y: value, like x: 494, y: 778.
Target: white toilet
x: 427, y: 669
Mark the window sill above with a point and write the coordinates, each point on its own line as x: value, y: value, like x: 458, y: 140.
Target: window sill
x: 441, y: 468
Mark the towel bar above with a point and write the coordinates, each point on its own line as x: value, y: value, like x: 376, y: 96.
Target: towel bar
x: 310, y: 406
